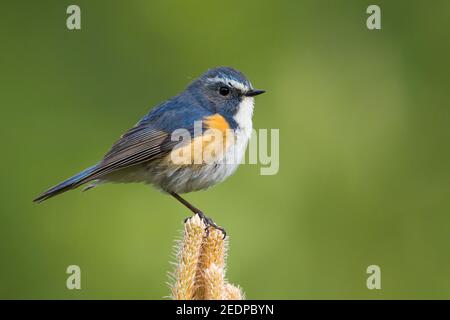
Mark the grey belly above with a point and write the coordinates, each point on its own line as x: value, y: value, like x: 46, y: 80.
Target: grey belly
x: 171, y: 178
x: 183, y: 179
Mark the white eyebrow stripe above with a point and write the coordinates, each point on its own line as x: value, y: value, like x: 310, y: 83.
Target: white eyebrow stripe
x: 233, y: 83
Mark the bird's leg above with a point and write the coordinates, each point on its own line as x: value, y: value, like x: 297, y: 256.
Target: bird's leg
x: 208, y: 221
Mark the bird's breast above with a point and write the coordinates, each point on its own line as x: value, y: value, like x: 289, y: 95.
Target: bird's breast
x: 204, y: 162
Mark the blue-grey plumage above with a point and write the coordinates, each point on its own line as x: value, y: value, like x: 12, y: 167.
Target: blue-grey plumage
x: 222, y: 98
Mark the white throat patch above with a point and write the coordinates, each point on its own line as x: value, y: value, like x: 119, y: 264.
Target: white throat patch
x: 243, y: 116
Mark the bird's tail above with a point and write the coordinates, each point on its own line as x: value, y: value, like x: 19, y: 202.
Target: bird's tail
x: 67, y: 185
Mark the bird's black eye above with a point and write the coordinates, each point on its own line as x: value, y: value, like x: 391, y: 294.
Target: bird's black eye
x: 224, y: 91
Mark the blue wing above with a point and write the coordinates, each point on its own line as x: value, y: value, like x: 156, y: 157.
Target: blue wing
x: 147, y: 140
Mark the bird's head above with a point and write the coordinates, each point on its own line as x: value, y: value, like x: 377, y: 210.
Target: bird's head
x: 226, y: 90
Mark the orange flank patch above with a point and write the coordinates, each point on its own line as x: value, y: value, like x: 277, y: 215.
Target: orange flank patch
x: 213, y: 145
x: 209, y: 147
x: 216, y: 121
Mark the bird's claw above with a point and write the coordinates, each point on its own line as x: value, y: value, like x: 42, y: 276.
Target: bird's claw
x: 209, y: 223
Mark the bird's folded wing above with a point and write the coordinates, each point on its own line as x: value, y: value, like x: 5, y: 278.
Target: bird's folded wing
x: 140, y: 144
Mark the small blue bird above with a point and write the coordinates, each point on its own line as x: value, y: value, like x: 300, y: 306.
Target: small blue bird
x: 220, y: 100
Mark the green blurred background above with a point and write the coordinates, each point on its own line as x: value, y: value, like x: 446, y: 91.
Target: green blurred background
x: 364, y: 123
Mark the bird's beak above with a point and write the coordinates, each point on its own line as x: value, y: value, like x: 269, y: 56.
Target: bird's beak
x: 254, y: 92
